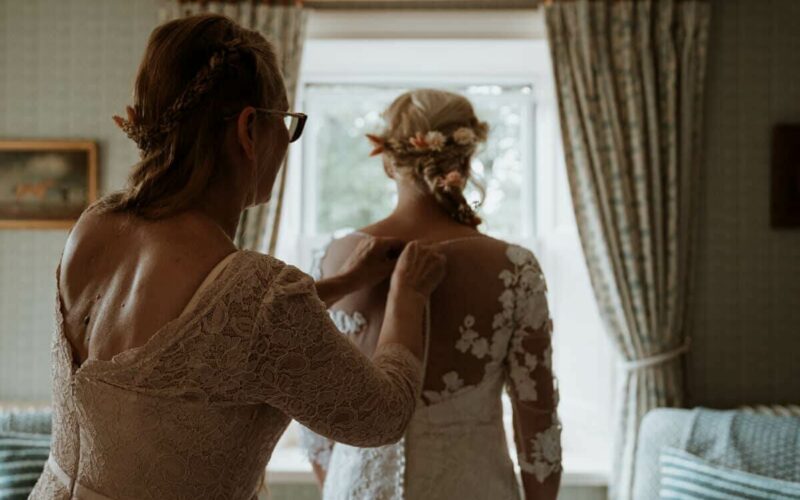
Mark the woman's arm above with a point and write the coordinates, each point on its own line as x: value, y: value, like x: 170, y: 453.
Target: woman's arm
x: 537, y: 430
x: 531, y: 385
x: 371, y: 262
x: 332, y: 290
x: 308, y: 370
x: 319, y: 473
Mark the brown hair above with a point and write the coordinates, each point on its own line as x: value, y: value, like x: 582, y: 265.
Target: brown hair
x: 195, y: 72
x: 431, y: 135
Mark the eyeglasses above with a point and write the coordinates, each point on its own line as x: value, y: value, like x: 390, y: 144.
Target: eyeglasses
x: 295, y: 122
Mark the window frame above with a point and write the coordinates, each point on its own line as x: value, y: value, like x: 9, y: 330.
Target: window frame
x: 526, y: 63
x: 309, y: 171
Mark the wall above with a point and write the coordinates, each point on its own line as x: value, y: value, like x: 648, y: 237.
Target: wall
x: 746, y: 320
x: 65, y: 68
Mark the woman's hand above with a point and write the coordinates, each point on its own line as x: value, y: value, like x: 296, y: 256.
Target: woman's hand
x: 372, y: 261
x: 420, y: 269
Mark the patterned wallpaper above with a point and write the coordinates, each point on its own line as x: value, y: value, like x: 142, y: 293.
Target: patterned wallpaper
x: 65, y: 68
x: 746, y: 319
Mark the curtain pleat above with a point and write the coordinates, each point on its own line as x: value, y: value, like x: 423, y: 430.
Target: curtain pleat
x: 630, y: 78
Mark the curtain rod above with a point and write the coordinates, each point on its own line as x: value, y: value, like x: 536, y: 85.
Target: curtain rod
x: 421, y: 4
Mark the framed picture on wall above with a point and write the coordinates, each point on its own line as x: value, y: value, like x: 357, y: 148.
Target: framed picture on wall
x: 785, y: 202
x: 46, y: 184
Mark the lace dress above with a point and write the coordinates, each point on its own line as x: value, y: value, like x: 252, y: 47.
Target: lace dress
x: 197, y: 410
x: 488, y: 327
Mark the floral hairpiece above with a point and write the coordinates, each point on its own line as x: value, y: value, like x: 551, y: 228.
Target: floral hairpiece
x: 148, y: 136
x: 452, y: 179
x: 424, y: 142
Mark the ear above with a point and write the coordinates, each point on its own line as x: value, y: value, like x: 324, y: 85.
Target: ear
x: 388, y: 167
x: 244, y: 131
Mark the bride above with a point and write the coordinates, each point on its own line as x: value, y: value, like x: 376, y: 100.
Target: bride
x: 487, y: 327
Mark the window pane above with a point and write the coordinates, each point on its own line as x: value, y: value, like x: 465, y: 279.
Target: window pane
x: 337, y: 156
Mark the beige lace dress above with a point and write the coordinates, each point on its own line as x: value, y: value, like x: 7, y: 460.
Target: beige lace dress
x: 196, y: 411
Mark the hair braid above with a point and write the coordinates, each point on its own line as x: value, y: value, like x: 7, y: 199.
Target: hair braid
x: 195, y: 71
x: 449, y: 195
x: 150, y: 137
x: 431, y: 136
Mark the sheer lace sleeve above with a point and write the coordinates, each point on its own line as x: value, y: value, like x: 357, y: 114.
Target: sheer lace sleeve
x: 318, y: 448
x: 531, y: 384
x: 310, y: 371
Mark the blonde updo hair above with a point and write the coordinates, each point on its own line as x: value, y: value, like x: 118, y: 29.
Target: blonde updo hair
x: 431, y: 136
x: 196, y: 71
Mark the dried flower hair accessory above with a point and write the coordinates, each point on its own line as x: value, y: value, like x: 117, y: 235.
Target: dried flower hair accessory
x: 453, y: 179
x: 378, y: 145
x: 203, y: 82
x: 435, y: 140
x: 423, y: 142
x: 132, y: 128
x: 419, y: 142
x: 464, y: 136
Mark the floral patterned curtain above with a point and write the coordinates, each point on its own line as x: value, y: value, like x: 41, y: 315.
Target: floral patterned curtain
x: 284, y: 24
x: 629, y: 78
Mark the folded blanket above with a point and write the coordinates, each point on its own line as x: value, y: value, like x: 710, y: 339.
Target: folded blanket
x: 22, y: 459
x: 684, y: 476
x: 35, y: 421
x: 765, y: 445
x: 24, y: 448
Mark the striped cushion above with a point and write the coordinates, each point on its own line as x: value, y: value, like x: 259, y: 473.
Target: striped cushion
x: 22, y: 419
x: 22, y: 458
x: 685, y: 476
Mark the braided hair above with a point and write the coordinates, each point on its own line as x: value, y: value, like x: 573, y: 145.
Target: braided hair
x: 149, y: 137
x: 195, y: 72
x: 431, y: 136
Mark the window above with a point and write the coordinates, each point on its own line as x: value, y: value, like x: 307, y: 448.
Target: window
x: 336, y: 162
x: 345, y: 85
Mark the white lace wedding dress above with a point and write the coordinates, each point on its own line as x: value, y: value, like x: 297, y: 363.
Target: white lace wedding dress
x: 488, y: 327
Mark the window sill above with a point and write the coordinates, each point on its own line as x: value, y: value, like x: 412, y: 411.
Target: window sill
x: 290, y: 466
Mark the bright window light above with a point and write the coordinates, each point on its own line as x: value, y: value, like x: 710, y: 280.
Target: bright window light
x: 337, y: 165
x: 334, y: 187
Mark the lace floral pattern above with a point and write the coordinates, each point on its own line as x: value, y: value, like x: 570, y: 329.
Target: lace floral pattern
x: 453, y: 386
x: 524, y: 314
x: 520, y: 311
x: 349, y: 324
x: 505, y: 343
x: 544, y: 457
x: 318, y: 449
x: 540, y: 454
x: 196, y: 411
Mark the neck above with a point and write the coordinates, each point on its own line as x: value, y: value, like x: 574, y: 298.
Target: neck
x: 224, y: 210
x: 413, y: 203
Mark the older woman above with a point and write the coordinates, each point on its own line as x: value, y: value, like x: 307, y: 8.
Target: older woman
x: 178, y: 360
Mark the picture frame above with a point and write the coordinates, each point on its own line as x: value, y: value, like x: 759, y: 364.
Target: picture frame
x: 46, y: 184
x: 785, y: 178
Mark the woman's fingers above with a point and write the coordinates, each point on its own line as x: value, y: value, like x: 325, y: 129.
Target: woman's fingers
x: 390, y: 248
x: 373, y: 259
x: 420, y: 268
